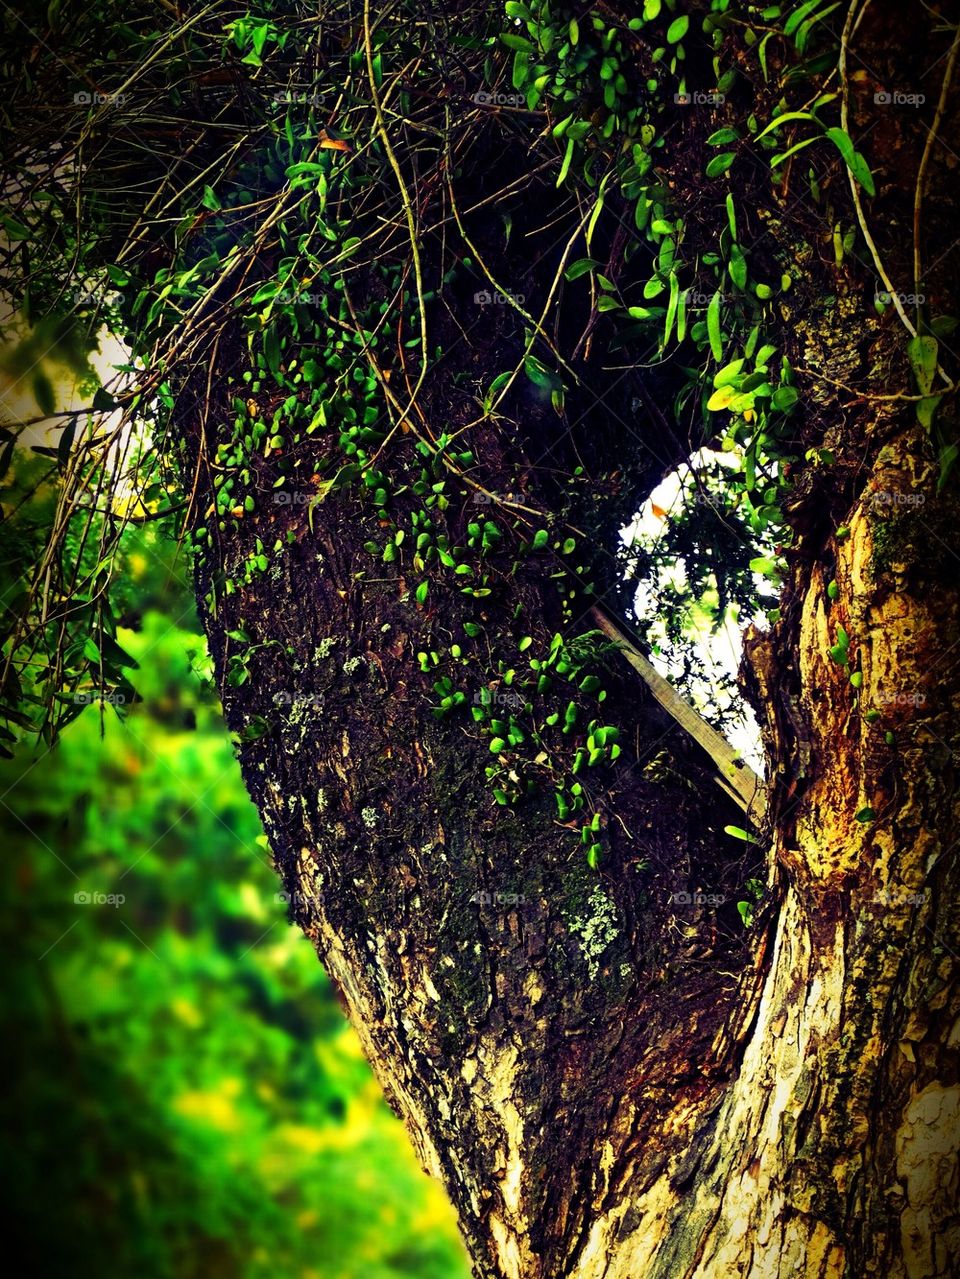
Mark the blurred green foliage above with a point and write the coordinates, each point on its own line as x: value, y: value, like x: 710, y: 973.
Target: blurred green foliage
x: 186, y: 1097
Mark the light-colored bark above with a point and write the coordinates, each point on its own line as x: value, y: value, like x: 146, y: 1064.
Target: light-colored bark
x: 836, y: 1150
x: 818, y: 1134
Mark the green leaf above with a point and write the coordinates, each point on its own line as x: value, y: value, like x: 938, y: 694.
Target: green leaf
x: 737, y: 266
x: 580, y: 267
x: 729, y: 375
x: 496, y: 386
x: 565, y: 166
x: 513, y: 41
x: 677, y: 29
x: 853, y: 159
x: 722, y: 398
x: 739, y: 833
x: 784, y: 398
x: 14, y: 229
x: 722, y: 137
x: 103, y: 401
x: 720, y: 164
x: 271, y: 350
x: 731, y: 216
x: 798, y: 15
x: 787, y: 116
x: 926, y: 408
x: 781, y: 156
x: 671, y: 308
x: 765, y: 565
x: 113, y: 653
x: 948, y: 457
x: 923, y: 352
x: 713, y: 326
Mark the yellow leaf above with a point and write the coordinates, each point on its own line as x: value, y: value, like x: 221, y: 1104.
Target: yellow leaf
x: 333, y: 144
x: 721, y: 398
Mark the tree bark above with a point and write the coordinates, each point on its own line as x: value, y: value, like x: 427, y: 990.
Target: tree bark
x: 611, y: 1077
x: 600, y: 1099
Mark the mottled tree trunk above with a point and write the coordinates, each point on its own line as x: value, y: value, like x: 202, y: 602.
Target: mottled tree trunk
x: 600, y: 1100
x: 612, y: 1080
x: 606, y: 1085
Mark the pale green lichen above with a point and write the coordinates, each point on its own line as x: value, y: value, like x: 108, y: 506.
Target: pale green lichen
x: 370, y: 818
x: 351, y: 664
x: 596, y: 929
x: 322, y: 650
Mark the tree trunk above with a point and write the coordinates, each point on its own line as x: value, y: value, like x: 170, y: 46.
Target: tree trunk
x: 614, y: 1079
x: 505, y: 837
x: 599, y: 1098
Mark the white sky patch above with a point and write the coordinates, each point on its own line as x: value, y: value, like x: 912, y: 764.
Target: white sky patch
x: 17, y: 404
x: 718, y: 650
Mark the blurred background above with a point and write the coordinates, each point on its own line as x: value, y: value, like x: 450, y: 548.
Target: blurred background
x: 186, y: 1097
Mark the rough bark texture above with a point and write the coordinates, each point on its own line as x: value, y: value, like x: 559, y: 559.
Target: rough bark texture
x: 516, y: 1032
x: 612, y: 1086
x: 573, y: 1063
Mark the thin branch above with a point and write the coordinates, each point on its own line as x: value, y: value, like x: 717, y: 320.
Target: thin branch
x: 737, y: 778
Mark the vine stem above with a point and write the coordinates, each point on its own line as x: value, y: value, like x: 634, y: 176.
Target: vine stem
x: 737, y: 778
x: 927, y: 150
x: 852, y: 19
x: 407, y: 205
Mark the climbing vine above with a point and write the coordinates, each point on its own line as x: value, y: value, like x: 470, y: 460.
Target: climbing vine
x: 334, y: 217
